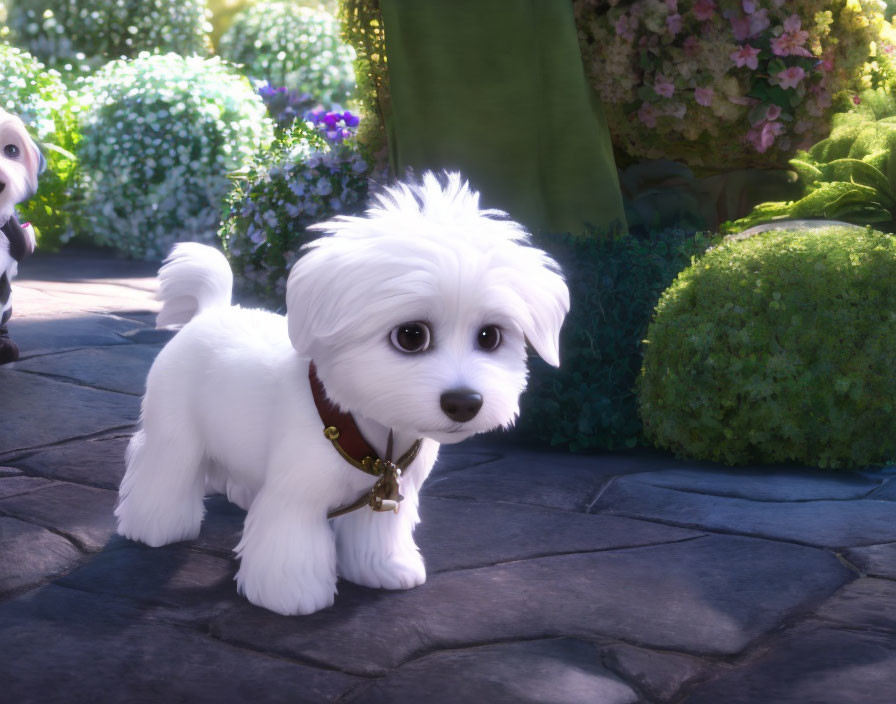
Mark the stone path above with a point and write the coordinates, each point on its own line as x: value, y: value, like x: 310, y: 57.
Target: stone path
x: 552, y: 578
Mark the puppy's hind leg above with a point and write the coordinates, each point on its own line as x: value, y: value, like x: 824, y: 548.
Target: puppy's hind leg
x: 160, y: 499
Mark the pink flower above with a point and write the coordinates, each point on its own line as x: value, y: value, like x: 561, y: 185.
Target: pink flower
x: 673, y: 24
x: 704, y: 96
x: 792, y: 24
x: 691, y: 46
x: 791, y: 44
x: 663, y: 87
x: 746, y: 56
x: 790, y: 77
x: 672, y: 5
x: 703, y: 9
x: 773, y: 113
x: 759, y: 22
x: 625, y: 27
x: 740, y: 26
x: 856, y: 100
x: 648, y: 114
x: 749, y: 6
x: 762, y: 137
x: 744, y: 100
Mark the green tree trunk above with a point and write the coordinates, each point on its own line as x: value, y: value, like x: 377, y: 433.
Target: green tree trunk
x: 496, y: 89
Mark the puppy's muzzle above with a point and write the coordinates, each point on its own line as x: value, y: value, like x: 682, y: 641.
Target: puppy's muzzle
x: 461, y: 405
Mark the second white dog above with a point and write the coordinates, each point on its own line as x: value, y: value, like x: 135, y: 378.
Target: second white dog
x: 416, y: 319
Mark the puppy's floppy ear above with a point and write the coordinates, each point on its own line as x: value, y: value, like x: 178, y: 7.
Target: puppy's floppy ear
x: 313, y: 298
x: 544, y: 292
x: 35, y: 163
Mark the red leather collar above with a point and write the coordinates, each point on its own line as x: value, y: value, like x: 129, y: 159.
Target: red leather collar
x: 350, y: 438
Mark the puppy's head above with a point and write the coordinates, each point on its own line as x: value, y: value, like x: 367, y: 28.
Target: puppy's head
x: 20, y: 164
x: 418, y: 314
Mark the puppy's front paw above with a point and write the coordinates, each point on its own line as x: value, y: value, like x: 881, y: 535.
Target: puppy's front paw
x: 293, y: 597
x: 403, y: 571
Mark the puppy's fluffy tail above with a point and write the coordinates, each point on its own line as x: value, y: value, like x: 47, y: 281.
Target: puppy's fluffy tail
x: 193, y: 278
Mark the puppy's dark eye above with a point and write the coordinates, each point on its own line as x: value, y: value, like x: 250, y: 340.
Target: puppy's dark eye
x: 11, y: 151
x: 488, y: 338
x: 410, y: 337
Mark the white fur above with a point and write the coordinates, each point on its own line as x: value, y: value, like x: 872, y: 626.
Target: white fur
x: 228, y: 406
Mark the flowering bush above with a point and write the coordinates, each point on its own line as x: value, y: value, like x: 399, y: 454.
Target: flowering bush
x: 284, y: 105
x: 725, y: 82
x: 160, y: 135
x: 291, y: 46
x: 36, y: 95
x: 304, y: 179
x: 71, y: 31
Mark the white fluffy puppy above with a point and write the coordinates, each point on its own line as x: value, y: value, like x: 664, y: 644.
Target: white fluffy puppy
x: 416, y: 318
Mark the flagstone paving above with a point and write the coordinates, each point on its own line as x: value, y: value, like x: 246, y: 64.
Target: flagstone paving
x: 609, y: 578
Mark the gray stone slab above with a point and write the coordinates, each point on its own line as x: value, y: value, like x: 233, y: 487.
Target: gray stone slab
x: 39, y: 411
x: 39, y: 335
x: 802, y: 224
x: 188, y: 586
x: 454, y: 457
x: 568, y: 482
x: 120, y: 368
x: 658, y: 674
x: 72, y: 647
x: 823, y: 523
x: 98, y: 462
x: 887, y: 492
x: 30, y: 554
x: 541, y: 672
x: 150, y: 336
x: 866, y: 603
x: 221, y: 527
x: 81, y: 513
x: 462, y: 534
x: 12, y: 486
x: 811, y: 665
x: 762, y: 483
x: 875, y: 560
x: 713, y: 595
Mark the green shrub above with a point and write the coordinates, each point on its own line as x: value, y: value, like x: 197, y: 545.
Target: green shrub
x: 294, y: 47
x: 160, y: 135
x: 362, y: 27
x: 849, y: 176
x: 778, y: 348
x: 38, y: 96
x: 62, y: 32
x: 302, y: 180
x: 589, y: 403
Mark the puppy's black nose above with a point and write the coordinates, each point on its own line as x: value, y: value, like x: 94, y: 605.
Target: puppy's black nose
x: 461, y: 404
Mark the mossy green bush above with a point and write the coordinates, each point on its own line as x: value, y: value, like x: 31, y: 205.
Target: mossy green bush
x: 589, y: 403
x: 778, y: 348
x: 37, y: 95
